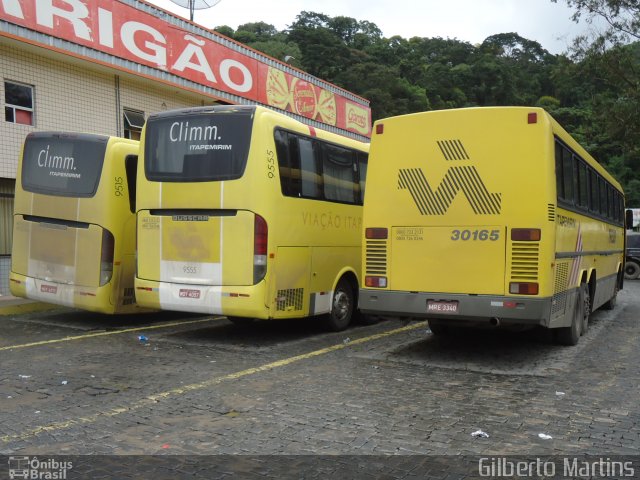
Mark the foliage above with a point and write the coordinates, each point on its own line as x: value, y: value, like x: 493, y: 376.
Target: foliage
x: 593, y: 90
x: 610, y: 60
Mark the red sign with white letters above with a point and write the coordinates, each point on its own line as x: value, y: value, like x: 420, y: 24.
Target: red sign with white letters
x: 123, y: 31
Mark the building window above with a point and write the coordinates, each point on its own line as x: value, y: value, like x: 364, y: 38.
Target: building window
x: 133, y: 123
x: 18, y: 103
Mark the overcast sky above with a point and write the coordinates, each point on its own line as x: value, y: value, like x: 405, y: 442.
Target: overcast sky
x: 548, y: 23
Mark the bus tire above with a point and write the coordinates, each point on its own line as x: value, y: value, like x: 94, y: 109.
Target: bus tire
x: 631, y: 270
x: 571, y: 335
x: 586, y: 308
x: 611, y: 303
x: 342, y: 307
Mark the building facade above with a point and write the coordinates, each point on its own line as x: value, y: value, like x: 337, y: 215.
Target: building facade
x: 102, y: 66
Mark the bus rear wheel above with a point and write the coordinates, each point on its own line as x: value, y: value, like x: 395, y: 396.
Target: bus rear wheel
x: 342, y: 307
x: 571, y: 335
x: 631, y: 270
x: 611, y: 303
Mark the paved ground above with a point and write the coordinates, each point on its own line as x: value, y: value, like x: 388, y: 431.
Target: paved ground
x: 73, y: 383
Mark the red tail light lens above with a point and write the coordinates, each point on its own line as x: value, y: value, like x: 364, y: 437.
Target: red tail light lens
x: 532, y: 117
x: 523, y: 288
x: 375, y: 282
x: 376, y: 233
x: 526, y: 234
x: 260, y: 241
x: 106, y: 257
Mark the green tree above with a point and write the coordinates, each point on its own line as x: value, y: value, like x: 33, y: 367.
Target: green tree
x: 324, y: 52
x: 593, y: 93
x: 225, y: 30
x: 611, y: 59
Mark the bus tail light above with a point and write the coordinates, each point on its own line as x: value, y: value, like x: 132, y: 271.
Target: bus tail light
x: 523, y: 288
x: 260, y: 238
x: 525, y: 234
x: 106, y: 257
x: 375, y: 282
x: 376, y: 233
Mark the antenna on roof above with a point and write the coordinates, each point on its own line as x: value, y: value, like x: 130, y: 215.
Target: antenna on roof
x: 196, y: 5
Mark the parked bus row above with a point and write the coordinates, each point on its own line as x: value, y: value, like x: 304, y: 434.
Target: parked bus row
x: 474, y: 216
x: 238, y: 211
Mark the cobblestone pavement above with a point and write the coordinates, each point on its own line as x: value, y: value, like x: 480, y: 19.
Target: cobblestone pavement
x: 73, y: 383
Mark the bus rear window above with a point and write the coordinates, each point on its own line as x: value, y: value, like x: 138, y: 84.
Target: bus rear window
x: 63, y: 164
x: 197, y: 148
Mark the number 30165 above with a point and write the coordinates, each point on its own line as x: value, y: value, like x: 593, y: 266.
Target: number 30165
x: 482, y: 235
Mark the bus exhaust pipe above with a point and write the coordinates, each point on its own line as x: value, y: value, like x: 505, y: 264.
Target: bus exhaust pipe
x: 494, y: 322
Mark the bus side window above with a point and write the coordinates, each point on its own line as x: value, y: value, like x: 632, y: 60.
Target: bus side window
x: 559, y: 177
x: 576, y: 180
x: 620, y: 208
x: 583, y: 183
x: 310, y: 175
x: 594, y: 203
x: 362, y: 170
x: 289, y: 172
x: 567, y: 174
x: 338, y: 174
x: 611, y: 208
x: 603, y: 197
x: 131, y: 166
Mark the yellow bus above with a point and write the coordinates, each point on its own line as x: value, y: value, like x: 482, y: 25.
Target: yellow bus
x: 489, y: 215
x: 248, y: 213
x: 74, y: 221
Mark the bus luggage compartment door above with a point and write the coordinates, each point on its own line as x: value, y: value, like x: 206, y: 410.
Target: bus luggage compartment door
x: 58, y: 251
x: 448, y: 259
x: 213, y: 248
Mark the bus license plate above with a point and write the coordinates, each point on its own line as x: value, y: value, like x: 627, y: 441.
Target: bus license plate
x: 442, y: 307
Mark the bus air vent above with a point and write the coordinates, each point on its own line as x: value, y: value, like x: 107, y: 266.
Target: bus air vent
x: 376, y: 257
x: 559, y: 301
x: 453, y: 150
x: 289, y: 300
x: 525, y: 261
x: 551, y: 212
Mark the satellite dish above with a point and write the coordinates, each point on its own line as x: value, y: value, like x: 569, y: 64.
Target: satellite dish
x: 196, y: 5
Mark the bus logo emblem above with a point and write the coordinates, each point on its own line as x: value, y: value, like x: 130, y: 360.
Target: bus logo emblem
x: 190, y: 218
x: 457, y: 178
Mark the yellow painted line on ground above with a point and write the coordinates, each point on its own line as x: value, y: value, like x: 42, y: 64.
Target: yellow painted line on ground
x: 176, y: 392
x: 103, y: 334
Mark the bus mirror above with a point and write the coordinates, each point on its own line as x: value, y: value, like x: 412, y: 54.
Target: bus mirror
x: 628, y: 219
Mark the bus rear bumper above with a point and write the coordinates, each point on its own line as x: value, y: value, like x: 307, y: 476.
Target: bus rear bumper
x: 237, y: 301
x: 93, y: 299
x: 487, y: 309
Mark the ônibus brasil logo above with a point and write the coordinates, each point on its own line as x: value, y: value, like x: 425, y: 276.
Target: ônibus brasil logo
x: 36, y: 469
